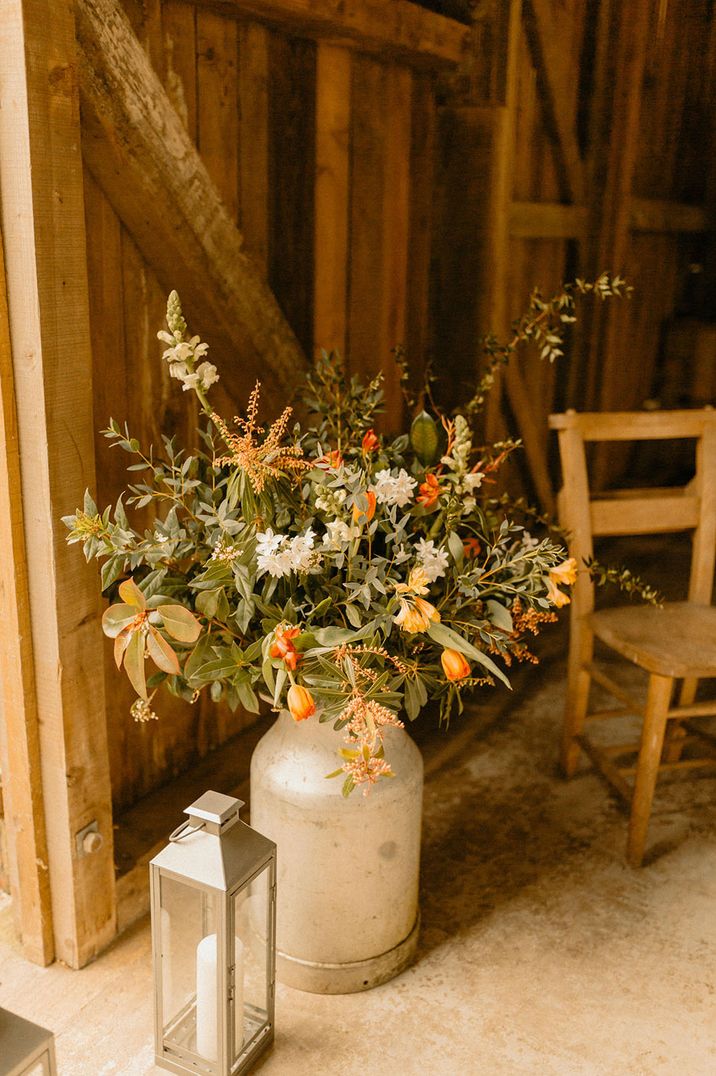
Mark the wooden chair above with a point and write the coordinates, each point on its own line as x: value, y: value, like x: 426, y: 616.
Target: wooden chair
x: 674, y: 643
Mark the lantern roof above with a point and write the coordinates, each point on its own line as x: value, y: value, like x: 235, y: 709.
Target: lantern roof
x: 215, y: 848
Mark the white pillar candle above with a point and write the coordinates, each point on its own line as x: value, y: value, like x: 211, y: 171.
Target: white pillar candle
x: 206, y: 997
x: 206, y: 1012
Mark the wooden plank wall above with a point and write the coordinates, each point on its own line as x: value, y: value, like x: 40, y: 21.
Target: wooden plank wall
x: 324, y: 157
x: 596, y: 155
x: 387, y: 204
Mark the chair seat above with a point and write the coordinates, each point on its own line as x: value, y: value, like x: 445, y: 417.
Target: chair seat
x: 678, y: 639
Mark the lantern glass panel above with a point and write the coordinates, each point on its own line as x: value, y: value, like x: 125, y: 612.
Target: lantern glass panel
x: 190, y: 969
x: 254, y: 965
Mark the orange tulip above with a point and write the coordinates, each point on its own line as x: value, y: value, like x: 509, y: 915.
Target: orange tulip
x: 471, y: 548
x: 454, y: 664
x: 429, y: 491
x: 300, y: 702
x: 370, y: 441
x: 331, y: 460
x: 283, y: 645
x: 361, y: 515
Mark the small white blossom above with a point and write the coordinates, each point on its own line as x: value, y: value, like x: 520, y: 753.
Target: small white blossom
x: 279, y: 555
x: 528, y: 542
x: 338, y: 534
x: 473, y: 480
x: 402, y: 554
x: 433, y: 561
x: 301, y: 550
x: 161, y: 538
x: 394, y: 489
x: 208, y: 374
x: 181, y: 357
x: 268, y: 542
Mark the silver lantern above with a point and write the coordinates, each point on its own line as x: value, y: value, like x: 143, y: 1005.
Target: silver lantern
x: 213, y: 901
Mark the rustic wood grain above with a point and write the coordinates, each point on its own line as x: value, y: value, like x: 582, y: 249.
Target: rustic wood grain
x: 140, y: 153
x: 398, y: 29
x: 24, y: 838
x: 44, y: 232
x: 331, y: 197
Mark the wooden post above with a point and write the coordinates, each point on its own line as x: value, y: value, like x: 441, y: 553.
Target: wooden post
x: 332, y: 197
x: 43, y: 223
x: 19, y: 730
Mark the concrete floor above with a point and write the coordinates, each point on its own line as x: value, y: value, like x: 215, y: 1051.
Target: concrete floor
x: 541, y: 953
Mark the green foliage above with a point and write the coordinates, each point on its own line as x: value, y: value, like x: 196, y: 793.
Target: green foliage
x: 323, y: 557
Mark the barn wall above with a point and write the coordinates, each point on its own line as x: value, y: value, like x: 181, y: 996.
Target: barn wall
x: 389, y: 204
x: 260, y: 105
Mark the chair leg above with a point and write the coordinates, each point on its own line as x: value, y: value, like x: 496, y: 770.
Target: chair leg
x: 676, y: 731
x: 652, y: 742
x: 581, y: 648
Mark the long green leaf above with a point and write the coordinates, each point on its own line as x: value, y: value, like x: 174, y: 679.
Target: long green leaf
x: 130, y: 593
x: 117, y: 618
x: 134, y: 664
x: 162, y: 654
x: 180, y: 623
x: 446, y: 637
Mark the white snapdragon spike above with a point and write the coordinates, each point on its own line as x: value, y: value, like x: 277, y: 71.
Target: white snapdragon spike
x: 208, y: 374
x: 473, y: 481
x: 180, y: 354
x: 394, y: 489
x: 433, y: 561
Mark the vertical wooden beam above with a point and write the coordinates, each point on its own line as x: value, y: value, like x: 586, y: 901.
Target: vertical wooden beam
x: 608, y: 326
x: 331, y: 197
x: 493, y: 309
x: 422, y: 191
x: 292, y: 132
x: 253, y: 140
x: 218, y: 120
x: 396, y: 229
x: 380, y: 221
x: 43, y: 222
x: 19, y: 731
x: 546, y: 49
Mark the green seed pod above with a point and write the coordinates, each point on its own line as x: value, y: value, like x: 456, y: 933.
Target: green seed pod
x: 425, y: 438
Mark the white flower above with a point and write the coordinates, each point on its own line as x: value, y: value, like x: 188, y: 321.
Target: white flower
x: 402, y: 554
x: 433, y: 561
x: 528, y: 542
x: 158, y: 537
x: 394, y: 489
x: 279, y: 555
x: 338, y: 534
x: 185, y: 352
x: 276, y: 564
x: 268, y: 542
x: 473, y: 481
x: 208, y: 374
x: 301, y: 552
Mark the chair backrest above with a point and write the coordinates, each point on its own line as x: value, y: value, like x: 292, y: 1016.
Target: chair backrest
x: 584, y: 515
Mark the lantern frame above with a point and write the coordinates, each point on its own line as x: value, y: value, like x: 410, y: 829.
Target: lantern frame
x: 234, y: 857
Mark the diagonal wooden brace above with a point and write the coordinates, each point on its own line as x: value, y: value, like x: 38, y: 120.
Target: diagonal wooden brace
x: 135, y: 145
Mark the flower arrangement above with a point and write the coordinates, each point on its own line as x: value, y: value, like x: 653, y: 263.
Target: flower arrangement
x: 334, y: 572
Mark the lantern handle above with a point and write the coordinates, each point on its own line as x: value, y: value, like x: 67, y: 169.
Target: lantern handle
x: 183, y: 830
